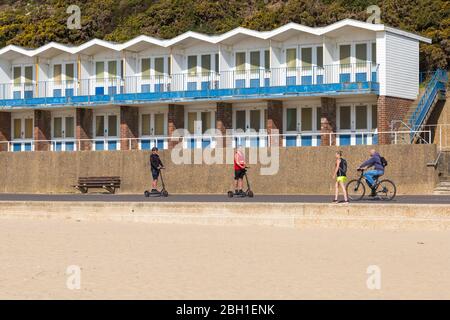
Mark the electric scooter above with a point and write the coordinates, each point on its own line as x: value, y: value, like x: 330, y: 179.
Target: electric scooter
x: 162, y: 193
x: 247, y: 193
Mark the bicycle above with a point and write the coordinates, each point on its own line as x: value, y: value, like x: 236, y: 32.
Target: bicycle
x: 384, y: 189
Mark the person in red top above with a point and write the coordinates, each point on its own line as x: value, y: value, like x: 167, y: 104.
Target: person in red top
x: 239, y: 171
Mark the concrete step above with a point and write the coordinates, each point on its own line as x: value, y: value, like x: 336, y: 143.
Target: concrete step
x: 441, y: 193
x: 443, y: 187
x: 294, y: 215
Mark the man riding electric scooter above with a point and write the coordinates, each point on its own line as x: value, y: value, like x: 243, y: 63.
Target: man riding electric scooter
x: 156, y: 166
x: 239, y: 171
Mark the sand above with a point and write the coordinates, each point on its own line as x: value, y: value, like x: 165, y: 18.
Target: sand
x: 156, y: 261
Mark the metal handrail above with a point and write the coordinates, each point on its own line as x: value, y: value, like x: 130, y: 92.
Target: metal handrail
x: 244, y: 135
x: 435, y: 163
x: 414, y: 134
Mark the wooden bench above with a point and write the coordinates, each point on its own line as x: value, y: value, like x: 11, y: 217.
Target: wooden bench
x: 110, y: 184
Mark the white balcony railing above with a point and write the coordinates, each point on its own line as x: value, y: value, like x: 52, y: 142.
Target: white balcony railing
x: 202, y: 82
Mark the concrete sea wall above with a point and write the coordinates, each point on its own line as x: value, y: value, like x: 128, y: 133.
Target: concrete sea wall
x: 306, y: 170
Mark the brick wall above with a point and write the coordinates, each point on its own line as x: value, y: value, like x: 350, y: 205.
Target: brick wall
x: 390, y: 108
x: 175, y: 118
x: 5, y: 130
x: 224, y: 118
x: 327, y: 121
x: 42, y: 129
x: 275, y: 118
x: 129, y: 127
x: 84, y: 127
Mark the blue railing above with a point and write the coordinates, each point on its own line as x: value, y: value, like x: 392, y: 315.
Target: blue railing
x: 436, y: 86
x: 345, y: 78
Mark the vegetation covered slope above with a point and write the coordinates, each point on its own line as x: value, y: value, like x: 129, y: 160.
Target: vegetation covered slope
x: 34, y: 23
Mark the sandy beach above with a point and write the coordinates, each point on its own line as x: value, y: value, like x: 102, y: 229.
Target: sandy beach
x: 156, y: 261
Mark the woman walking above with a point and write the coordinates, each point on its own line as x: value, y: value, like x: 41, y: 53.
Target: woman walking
x: 340, y: 176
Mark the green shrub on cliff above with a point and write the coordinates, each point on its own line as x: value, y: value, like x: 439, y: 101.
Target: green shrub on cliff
x: 34, y: 23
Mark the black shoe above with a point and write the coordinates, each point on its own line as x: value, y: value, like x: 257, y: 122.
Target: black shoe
x: 373, y: 193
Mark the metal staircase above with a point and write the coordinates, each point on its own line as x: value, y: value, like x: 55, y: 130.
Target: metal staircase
x: 434, y: 91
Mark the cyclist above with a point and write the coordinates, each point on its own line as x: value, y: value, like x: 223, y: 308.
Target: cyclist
x: 340, y: 176
x: 378, y: 169
x: 239, y: 170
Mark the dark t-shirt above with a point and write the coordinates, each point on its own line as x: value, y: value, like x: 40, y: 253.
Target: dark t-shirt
x: 342, y: 168
x: 155, y: 161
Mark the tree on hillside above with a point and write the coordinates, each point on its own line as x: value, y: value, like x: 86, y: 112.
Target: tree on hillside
x: 32, y: 23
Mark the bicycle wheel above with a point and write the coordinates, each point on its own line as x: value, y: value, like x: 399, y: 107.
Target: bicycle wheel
x: 355, y: 190
x: 386, y: 190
